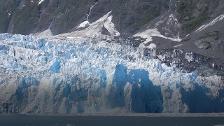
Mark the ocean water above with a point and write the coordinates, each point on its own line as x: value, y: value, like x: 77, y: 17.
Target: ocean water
x: 23, y: 120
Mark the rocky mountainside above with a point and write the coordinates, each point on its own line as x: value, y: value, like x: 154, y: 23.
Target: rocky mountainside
x: 30, y: 16
x: 171, y: 18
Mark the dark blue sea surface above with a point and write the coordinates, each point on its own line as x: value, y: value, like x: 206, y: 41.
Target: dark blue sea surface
x: 24, y: 120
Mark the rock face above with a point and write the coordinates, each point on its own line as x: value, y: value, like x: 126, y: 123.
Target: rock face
x: 182, y: 20
x: 30, y: 16
x: 68, y: 14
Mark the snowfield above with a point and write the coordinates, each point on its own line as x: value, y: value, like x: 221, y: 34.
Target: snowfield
x: 87, y: 75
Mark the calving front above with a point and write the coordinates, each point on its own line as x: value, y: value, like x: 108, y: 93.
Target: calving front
x: 87, y: 75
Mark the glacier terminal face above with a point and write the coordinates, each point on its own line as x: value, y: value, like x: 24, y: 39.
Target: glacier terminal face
x: 86, y: 75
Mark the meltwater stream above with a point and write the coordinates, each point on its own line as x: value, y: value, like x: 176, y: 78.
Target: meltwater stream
x: 83, y: 75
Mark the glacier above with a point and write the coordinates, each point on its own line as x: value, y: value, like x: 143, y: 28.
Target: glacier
x: 89, y: 75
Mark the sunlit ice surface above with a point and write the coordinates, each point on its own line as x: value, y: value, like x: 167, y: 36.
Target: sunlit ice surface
x: 68, y: 75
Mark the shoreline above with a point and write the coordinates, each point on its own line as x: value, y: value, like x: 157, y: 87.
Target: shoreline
x: 150, y: 115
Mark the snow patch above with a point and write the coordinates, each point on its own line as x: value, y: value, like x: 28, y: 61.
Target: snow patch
x: 44, y: 34
x: 40, y: 2
x: 83, y: 25
x: 94, y: 29
x: 172, y: 19
x: 179, y: 45
x: 152, y: 46
x: 189, y: 57
x: 150, y: 33
x: 109, y: 25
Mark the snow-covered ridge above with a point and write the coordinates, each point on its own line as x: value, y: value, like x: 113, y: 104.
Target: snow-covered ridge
x: 217, y: 19
x: 78, y: 75
x: 94, y: 29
